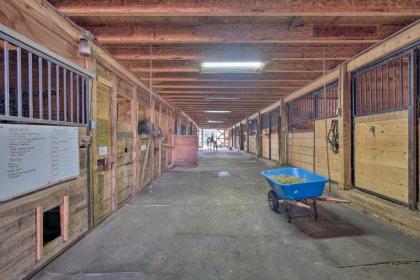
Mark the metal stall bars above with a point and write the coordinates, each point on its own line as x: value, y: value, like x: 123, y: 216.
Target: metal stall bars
x: 33, y: 76
x: 385, y: 96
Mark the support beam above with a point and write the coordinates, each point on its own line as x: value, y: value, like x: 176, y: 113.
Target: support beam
x: 413, y: 167
x: 344, y: 128
x: 218, y: 8
x: 283, y: 133
x: 114, y: 143
x: 240, y: 33
x: 230, y: 85
x: 230, y: 77
x: 232, y: 52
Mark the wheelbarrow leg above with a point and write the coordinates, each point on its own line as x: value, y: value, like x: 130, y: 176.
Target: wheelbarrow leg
x: 289, y: 213
x: 315, y: 207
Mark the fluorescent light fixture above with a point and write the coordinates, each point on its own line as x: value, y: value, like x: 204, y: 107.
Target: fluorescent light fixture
x: 232, y: 67
x: 217, y: 111
x: 222, y: 98
x: 210, y: 121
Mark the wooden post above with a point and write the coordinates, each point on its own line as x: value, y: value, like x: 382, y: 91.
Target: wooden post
x: 39, y: 224
x: 135, y: 145
x: 283, y: 133
x: 159, y: 141
x: 152, y: 144
x: 279, y: 134
x: 259, y: 138
x: 413, y: 133
x: 93, y: 150
x: 247, y: 134
x: 269, y: 135
x: 114, y: 142
x: 344, y: 128
x: 64, y: 218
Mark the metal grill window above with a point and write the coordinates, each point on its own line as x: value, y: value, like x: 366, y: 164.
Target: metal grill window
x: 237, y: 130
x: 253, y: 127
x: 265, y: 121
x: 274, y: 119
x: 382, y: 87
x: 301, y: 110
x: 35, y: 87
x: 327, y: 101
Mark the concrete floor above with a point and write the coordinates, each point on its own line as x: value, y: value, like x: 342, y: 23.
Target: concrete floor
x: 193, y: 224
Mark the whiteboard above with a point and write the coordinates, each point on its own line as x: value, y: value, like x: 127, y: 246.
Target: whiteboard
x: 35, y: 156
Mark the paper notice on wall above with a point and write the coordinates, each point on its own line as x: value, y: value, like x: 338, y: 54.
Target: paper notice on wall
x: 35, y: 156
x: 103, y: 151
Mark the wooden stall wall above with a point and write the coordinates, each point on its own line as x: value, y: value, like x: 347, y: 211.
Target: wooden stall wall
x: 381, y: 156
x: 381, y: 97
x: 22, y: 250
x: 237, y: 137
x: 265, y: 135
x: 43, y: 25
x: 253, y: 136
x: 18, y: 222
x: 124, y: 172
x: 101, y: 157
x: 300, y: 149
x: 275, y: 134
x: 324, y: 157
x: 144, y: 142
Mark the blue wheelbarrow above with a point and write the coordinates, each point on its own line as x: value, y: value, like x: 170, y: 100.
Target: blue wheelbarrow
x: 301, y: 194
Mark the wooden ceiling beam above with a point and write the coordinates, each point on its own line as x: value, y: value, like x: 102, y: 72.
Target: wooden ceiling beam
x: 270, y: 67
x: 217, y: 8
x: 237, y: 52
x: 231, y: 84
x: 229, y: 77
x: 240, y: 33
x: 221, y: 91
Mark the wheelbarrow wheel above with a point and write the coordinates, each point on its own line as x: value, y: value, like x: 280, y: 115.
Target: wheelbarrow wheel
x: 273, y: 202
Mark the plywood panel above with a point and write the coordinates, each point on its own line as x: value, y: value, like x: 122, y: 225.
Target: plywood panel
x: 300, y: 149
x: 275, y: 147
x: 381, y: 154
x: 324, y: 153
x: 265, y: 145
x: 124, y: 178
x: 253, y: 144
x: 101, y: 186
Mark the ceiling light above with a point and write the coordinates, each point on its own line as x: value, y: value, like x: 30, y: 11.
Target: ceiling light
x: 222, y: 98
x: 211, y: 121
x: 232, y: 67
x: 217, y: 111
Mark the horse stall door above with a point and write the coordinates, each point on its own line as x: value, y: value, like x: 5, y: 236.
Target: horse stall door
x: 380, y: 95
x: 124, y: 143
x: 102, y: 177
x: 275, y: 134
x: 265, y: 135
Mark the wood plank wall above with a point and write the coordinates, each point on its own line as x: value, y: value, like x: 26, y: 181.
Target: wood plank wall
x: 381, y: 155
x: 265, y: 139
x: 324, y: 153
x: 18, y: 229
x: 300, y: 149
x: 253, y: 144
x: 124, y: 178
x: 275, y: 146
x: 112, y: 108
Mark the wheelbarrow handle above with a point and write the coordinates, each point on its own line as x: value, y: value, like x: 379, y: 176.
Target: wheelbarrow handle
x: 295, y: 203
x: 332, y: 200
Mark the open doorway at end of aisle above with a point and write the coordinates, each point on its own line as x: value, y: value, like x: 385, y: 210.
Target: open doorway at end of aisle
x: 213, y: 139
